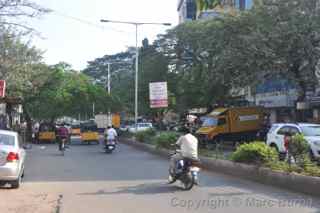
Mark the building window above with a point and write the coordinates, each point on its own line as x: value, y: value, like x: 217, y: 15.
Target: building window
x: 191, y: 9
x: 249, y: 4
x: 243, y: 4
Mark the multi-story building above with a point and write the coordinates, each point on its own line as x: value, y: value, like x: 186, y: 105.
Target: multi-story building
x: 243, y: 4
x: 187, y: 10
x: 226, y: 6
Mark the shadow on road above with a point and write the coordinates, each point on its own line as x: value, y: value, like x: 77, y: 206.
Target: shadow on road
x: 229, y: 194
x: 141, y: 189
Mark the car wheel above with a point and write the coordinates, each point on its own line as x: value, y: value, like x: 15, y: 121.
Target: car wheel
x: 16, y: 183
x: 275, y: 147
x: 22, y: 176
x: 282, y: 156
x: 312, y: 157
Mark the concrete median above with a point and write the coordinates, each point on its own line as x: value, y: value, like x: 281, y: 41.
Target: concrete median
x: 294, y: 182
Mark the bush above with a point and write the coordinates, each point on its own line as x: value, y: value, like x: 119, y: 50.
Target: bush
x: 308, y: 168
x: 299, y: 149
x: 311, y: 169
x: 255, y: 153
x: 145, y: 136
x: 164, y: 140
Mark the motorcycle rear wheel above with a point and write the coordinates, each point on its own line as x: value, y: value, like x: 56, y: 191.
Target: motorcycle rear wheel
x: 188, y: 181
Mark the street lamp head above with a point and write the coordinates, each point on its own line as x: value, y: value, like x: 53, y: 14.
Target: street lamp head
x: 167, y: 24
x: 104, y: 20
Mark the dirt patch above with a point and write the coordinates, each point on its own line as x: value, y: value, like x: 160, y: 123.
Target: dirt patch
x: 15, y: 201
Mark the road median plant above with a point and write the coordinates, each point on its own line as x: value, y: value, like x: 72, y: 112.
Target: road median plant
x: 258, y: 153
x: 145, y: 136
x: 254, y: 153
x: 164, y: 140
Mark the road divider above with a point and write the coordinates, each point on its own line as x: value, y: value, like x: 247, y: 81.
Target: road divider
x: 290, y: 181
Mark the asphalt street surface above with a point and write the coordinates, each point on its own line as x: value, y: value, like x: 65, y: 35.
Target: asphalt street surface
x: 131, y: 181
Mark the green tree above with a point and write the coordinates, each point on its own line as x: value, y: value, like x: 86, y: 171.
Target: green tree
x: 66, y: 93
x: 13, y: 11
x: 122, y: 77
x: 16, y: 60
x: 276, y: 38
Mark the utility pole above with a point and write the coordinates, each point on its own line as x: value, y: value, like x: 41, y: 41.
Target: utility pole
x: 109, y: 92
x: 136, y: 82
x: 93, y: 110
x: 136, y: 24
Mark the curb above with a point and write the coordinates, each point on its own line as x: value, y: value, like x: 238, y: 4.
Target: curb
x: 294, y: 182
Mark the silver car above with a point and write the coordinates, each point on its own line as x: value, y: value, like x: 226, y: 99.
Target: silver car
x: 140, y: 127
x: 12, y: 158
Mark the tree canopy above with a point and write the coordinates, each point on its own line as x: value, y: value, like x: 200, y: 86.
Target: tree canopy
x: 205, y: 61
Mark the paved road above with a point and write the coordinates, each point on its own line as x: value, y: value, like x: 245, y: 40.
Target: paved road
x: 131, y: 181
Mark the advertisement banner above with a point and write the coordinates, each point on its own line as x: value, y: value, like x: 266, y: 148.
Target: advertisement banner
x: 2, y: 88
x: 158, y: 95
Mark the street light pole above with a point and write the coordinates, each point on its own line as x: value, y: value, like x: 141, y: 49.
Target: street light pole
x: 109, y: 92
x: 136, y: 24
x: 136, y: 81
x: 109, y: 80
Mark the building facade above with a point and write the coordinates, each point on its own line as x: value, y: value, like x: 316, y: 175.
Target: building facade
x: 278, y: 96
x: 226, y: 6
x: 187, y: 10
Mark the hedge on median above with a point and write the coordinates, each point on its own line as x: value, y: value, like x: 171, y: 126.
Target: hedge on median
x: 259, y: 153
x: 145, y: 136
x: 165, y: 140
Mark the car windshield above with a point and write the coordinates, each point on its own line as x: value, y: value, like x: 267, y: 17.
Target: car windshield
x: 311, y: 130
x: 7, y: 140
x: 210, y: 122
x: 273, y: 128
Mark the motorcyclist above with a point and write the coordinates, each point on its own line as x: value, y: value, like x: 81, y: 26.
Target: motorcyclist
x: 189, y: 149
x: 111, y: 134
x: 62, y: 133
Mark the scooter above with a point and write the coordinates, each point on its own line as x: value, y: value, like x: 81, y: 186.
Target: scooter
x: 110, y: 146
x: 186, y: 172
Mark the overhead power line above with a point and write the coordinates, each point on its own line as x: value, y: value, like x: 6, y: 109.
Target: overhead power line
x: 86, y: 22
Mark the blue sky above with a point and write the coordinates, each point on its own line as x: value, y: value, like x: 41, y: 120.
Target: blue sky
x: 66, y: 39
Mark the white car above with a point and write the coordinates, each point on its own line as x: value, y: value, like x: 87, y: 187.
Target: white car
x: 140, y: 127
x: 12, y: 158
x: 311, y: 132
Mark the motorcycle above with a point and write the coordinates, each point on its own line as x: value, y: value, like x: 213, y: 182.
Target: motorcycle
x: 110, y: 146
x: 186, y: 172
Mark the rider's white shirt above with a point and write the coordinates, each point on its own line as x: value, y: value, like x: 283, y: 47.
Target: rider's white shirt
x: 111, y: 134
x: 189, y: 146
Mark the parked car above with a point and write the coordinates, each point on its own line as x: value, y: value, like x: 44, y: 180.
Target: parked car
x: 311, y: 132
x: 12, y: 158
x: 140, y: 127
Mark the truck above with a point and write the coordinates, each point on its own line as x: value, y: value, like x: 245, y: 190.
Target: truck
x: 235, y: 124
x: 103, y: 121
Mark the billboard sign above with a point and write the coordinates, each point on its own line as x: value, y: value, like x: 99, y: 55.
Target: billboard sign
x: 2, y: 88
x: 158, y: 95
